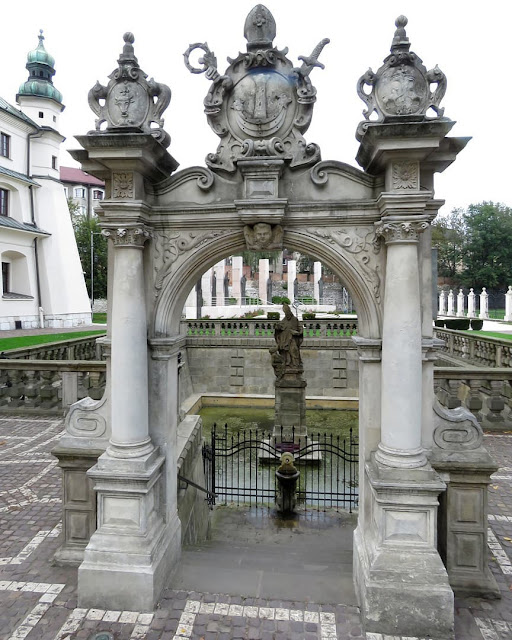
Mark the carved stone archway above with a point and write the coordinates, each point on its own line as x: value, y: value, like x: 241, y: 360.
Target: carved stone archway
x: 372, y: 227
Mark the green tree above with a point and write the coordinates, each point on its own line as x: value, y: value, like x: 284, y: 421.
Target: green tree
x: 487, y: 256
x: 448, y: 236
x: 83, y: 226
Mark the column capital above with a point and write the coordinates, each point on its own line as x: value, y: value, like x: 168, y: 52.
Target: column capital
x: 400, y: 231
x: 134, y: 237
x: 368, y: 349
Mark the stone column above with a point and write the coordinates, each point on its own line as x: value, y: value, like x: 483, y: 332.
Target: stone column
x: 264, y: 270
x: 292, y: 274
x: 236, y: 275
x: 508, y: 305
x: 206, y: 286
x: 219, y: 283
x: 442, y: 303
x: 129, y: 347
x: 451, y: 306
x: 484, y: 304
x: 400, y: 444
x: 460, y: 304
x: 317, y: 275
x: 471, y: 304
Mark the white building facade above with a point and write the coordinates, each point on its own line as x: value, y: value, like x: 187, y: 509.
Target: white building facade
x: 42, y: 278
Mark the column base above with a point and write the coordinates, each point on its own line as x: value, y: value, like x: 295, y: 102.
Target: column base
x: 131, y: 555
x: 401, y: 459
x: 400, y: 580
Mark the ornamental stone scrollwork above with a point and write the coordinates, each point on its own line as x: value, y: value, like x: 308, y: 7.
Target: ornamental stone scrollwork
x: 122, y: 187
x: 400, y: 231
x: 263, y: 237
x: 456, y: 429
x: 262, y: 105
x: 364, y: 245
x: 134, y: 237
x: 130, y: 102
x: 405, y: 176
x: 401, y: 89
x: 169, y: 247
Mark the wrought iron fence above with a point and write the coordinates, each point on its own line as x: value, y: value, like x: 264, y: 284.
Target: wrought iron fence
x: 240, y: 468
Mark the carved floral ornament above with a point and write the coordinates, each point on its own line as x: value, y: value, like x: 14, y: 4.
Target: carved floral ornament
x: 400, y: 90
x: 405, y: 176
x: 122, y: 185
x: 134, y: 237
x: 262, y: 104
x: 401, y: 231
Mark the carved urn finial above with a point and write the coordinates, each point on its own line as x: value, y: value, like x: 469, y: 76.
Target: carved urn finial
x: 400, y: 90
x: 128, y: 101
x: 260, y: 28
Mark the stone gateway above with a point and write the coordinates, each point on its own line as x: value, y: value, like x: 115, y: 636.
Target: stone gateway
x: 266, y: 185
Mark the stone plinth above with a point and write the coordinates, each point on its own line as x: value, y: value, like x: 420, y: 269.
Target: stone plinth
x: 400, y: 580
x: 290, y: 404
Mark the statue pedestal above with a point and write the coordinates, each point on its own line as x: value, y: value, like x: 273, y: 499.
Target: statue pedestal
x: 290, y: 406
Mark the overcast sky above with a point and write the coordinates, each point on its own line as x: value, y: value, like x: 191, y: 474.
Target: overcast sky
x: 471, y: 43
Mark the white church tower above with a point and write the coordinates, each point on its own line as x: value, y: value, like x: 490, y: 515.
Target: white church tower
x: 42, y: 278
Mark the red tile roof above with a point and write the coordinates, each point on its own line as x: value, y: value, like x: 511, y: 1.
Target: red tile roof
x: 77, y: 176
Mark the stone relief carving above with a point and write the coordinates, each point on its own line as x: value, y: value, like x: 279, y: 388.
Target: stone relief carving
x: 363, y: 244
x: 128, y: 236
x: 405, y: 175
x: 129, y: 101
x: 456, y: 429
x: 406, y: 231
x: 168, y: 248
x: 263, y: 236
x: 262, y: 104
x: 401, y: 87
x: 122, y: 185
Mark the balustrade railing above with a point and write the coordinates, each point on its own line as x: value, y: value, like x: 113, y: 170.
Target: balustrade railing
x: 261, y: 328
x: 46, y: 386
x: 74, y: 349
x: 477, y: 350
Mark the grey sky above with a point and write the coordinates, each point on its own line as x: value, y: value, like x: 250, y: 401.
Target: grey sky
x: 469, y: 41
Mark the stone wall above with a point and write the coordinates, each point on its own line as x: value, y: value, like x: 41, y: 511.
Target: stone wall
x: 244, y: 369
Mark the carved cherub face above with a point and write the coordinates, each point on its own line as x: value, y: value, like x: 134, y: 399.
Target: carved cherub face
x: 262, y: 234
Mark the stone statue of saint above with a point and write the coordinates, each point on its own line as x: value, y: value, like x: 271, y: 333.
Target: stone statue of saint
x: 288, y: 336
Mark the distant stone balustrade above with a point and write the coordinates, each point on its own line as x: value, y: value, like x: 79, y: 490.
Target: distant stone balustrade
x: 476, y: 350
x: 75, y: 349
x: 262, y: 327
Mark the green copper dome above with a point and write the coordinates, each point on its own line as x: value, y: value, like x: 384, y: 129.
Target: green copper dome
x: 40, y: 65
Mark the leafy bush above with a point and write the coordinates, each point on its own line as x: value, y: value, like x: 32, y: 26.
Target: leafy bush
x: 308, y: 300
x: 273, y: 315
x: 308, y: 316
x: 253, y: 314
x: 459, y: 324
x: 231, y: 301
x: 439, y: 323
x: 476, y: 324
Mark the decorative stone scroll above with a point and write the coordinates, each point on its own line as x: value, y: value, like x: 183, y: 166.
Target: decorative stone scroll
x: 400, y: 90
x: 456, y: 429
x: 129, y: 101
x: 263, y: 236
x: 263, y: 104
x: 134, y: 237
x: 401, y: 231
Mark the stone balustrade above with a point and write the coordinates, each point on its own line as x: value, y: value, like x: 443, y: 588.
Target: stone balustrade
x: 75, y: 349
x: 262, y: 327
x: 477, y: 350
x: 48, y: 386
x: 460, y: 305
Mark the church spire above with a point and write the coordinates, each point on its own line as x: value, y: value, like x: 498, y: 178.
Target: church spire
x: 40, y: 65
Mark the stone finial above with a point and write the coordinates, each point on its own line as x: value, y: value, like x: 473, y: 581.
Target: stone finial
x: 128, y: 102
x: 401, y: 88
x: 259, y: 28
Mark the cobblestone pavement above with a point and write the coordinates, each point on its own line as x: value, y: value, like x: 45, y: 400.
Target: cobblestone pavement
x: 38, y: 600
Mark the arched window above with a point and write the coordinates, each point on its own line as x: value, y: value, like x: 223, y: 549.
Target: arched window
x: 15, y: 276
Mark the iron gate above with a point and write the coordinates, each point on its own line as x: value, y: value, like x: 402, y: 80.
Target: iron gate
x: 240, y: 468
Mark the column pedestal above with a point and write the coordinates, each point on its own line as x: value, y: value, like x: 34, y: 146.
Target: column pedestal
x: 400, y: 580
x: 129, y: 558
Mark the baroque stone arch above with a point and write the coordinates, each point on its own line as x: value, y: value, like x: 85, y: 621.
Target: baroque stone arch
x: 362, y: 280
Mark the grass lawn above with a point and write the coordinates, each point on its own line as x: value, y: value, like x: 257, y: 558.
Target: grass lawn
x: 491, y: 334
x: 29, y: 341
x: 99, y: 317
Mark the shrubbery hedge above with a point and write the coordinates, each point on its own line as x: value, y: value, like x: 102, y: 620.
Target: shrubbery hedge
x: 273, y: 315
x: 308, y: 316
x: 458, y: 324
x: 439, y: 323
x: 280, y: 300
x: 477, y: 324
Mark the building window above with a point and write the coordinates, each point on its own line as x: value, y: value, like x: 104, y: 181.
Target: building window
x: 97, y: 194
x: 5, y: 277
x: 41, y: 114
x: 55, y: 118
x: 4, y: 202
x: 79, y: 192
x: 5, y: 145
x: 54, y: 162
